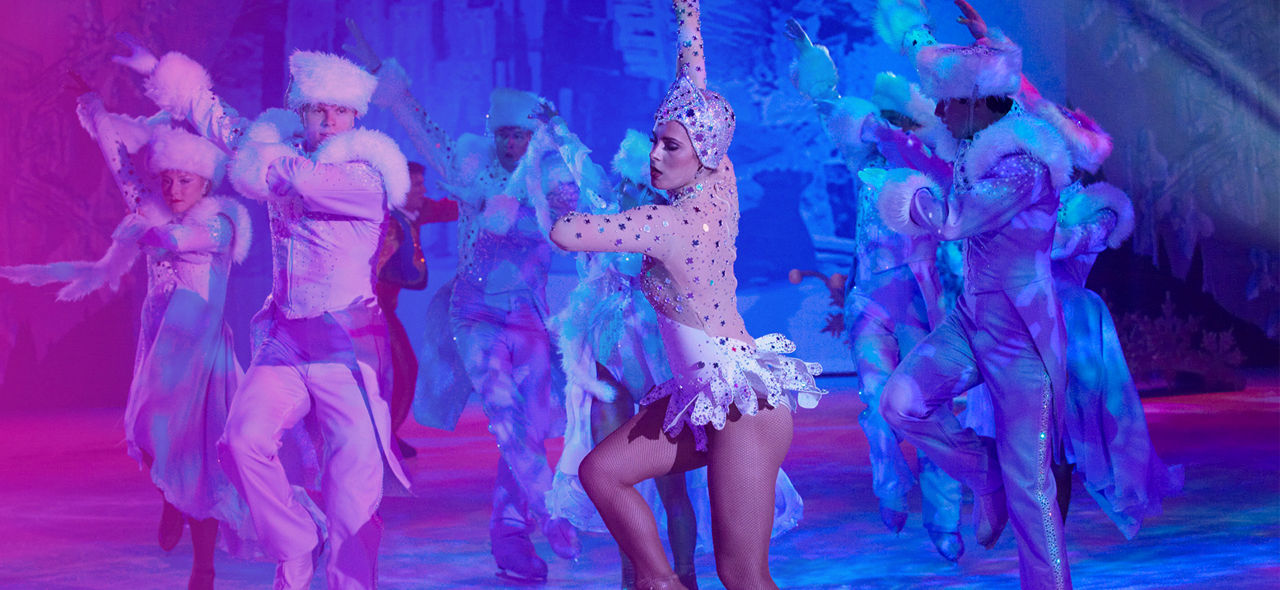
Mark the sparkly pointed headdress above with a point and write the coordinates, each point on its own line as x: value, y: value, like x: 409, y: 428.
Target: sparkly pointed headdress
x: 705, y: 114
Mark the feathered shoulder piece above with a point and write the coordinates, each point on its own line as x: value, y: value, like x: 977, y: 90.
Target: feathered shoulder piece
x: 1016, y: 134
x: 376, y: 149
x: 202, y: 213
x: 1082, y: 204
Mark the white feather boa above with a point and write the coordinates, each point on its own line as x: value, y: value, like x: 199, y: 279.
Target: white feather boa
x: 1015, y: 134
x: 277, y: 132
x: 85, y: 277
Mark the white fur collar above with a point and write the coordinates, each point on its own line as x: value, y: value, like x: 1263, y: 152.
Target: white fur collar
x: 1014, y: 134
x: 277, y: 133
x: 376, y: 149
x: 203, y: 212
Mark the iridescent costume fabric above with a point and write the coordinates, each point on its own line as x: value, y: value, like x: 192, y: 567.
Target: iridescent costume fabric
x: 321, y: 342
x: 1006, y: 331
x: 1106, y: 430
x: 185, y: 370
x: 496, y: 307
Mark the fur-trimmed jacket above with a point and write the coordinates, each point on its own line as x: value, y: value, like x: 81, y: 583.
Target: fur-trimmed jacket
x: 327, y: 208
x: 503, y: 217
x: 1003, y: 202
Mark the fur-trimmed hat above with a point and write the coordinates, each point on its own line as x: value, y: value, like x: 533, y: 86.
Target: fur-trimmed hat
x: 989, y: 67
x: 175, y: 149
x: 509, y: 107
x: 324, y: 78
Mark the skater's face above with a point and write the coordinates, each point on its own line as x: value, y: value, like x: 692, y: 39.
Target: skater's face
x: 673, y: 163
x: 322, y: 121
x: 965, y: 116
x: 512, y: 143
x: 182, y: 189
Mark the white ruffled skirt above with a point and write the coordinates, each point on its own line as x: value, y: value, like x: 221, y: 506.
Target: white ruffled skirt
x: 712, y: 374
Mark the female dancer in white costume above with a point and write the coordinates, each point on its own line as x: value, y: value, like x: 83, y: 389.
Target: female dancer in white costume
x: 185, y: 372
x: 721, y: 373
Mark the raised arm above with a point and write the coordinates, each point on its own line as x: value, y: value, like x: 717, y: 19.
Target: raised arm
x: 182, y: 88
x: 437, y: 146
x: 118, y: 137
x: 691, y: 58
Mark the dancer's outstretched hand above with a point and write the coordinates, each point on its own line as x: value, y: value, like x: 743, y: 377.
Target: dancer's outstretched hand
x: 140, y: 59
x: 545, y: 112
x: 971, y: 19
x: 796, y: 33
x: 359, y: 48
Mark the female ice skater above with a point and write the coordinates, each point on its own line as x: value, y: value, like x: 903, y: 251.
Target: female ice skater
x: 185, y: 372
x: 721, y: 374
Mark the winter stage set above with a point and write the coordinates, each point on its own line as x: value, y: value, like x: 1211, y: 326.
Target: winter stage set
x: 651, y: 294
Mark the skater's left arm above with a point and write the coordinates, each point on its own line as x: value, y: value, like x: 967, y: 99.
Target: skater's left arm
x: 914, y: 205
x: 349, y: 189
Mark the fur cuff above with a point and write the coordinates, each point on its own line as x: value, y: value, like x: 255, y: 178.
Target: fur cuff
x: 176, y: 82
x: 266, y: 140
x: 376, y: 149
x: 201, y: 214
x: 1020, y: 134
x: 248, y: 172
x: 1079, y: 205
x: 897, y: 195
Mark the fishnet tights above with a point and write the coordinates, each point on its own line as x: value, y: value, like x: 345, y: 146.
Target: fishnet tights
x: 742, y: 468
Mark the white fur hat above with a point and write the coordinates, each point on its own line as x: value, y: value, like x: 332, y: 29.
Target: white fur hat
x: 509, y: 107
x: 319, y: 77
x: 990, y: 67
x: 175, y: 149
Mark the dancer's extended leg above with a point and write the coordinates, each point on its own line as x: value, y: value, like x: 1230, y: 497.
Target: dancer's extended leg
x: 742, y: 470
x: 637, y: 451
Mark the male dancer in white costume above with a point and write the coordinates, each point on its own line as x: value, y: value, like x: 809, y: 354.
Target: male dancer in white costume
x: 320, y: 341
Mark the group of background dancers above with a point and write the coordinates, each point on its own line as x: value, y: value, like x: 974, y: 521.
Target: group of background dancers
x: 286, y: 459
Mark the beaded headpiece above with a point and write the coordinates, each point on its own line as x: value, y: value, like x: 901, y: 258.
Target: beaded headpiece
x: 705, y: 114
